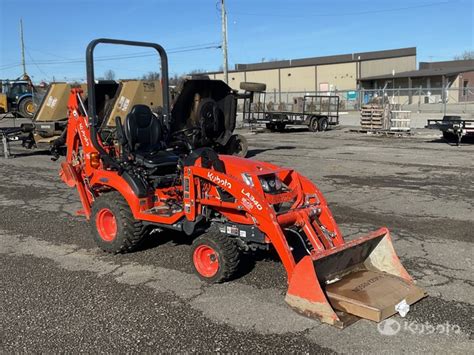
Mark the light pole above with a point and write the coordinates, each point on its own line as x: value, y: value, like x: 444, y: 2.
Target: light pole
x: 224, y: 41
x: 22, y: 44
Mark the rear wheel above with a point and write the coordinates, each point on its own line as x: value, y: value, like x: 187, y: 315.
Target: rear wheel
x: 323, y: 124
x: 27, y: 107
x: 114, y: 228
x: 215, y: 257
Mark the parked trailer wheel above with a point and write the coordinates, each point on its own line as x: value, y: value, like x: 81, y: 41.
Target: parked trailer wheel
x: 215, y: 257
x: 313, y: 124
x: 27, y: 107
x: 237, y: 145
x: 450, y: 137
x: 323, y: 124
x: 280, y: 127
x: 113, y: 226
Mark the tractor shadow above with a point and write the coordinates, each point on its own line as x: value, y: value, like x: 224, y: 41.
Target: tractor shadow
x: 248, y: 260
x: 254, y: 152
x: 155, y: 239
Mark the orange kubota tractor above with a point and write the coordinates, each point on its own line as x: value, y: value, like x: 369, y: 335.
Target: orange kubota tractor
x: 143, y: 177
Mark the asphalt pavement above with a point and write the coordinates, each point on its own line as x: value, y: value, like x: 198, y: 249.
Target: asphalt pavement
x: 59, y: 292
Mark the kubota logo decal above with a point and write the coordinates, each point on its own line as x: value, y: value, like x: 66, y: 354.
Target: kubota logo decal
x: 253, y: 199
x: 84, y: 135
x: 217, y: 180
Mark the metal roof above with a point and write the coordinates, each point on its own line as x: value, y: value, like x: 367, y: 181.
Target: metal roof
x: 333, y: 59
x: 423, y: 72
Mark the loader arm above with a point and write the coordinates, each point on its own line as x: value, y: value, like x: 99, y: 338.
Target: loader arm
x: 251, y: 206
x: 329, y: 258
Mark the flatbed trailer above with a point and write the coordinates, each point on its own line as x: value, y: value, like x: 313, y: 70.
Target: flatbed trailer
x: 318, y: 112
x: 13, y: 134
x: 453, y: 127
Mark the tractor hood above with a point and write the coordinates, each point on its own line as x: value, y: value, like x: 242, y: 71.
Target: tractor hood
x: 208, y: 104
x: 237, y: 165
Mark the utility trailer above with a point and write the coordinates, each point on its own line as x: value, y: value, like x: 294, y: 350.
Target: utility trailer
x: 453, y: 127
x: 318, y: 112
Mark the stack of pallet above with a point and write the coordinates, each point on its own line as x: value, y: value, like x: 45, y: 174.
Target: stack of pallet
x: 400, y: 120
x: 372, y: 117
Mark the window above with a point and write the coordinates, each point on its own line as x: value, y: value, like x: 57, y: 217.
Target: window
x: 465, y: 89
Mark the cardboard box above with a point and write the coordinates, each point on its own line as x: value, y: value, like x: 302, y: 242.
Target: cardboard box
x: 372, y: 295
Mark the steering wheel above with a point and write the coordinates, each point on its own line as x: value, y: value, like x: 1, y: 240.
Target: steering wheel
x: 186, y: 135
x: 187, y: 132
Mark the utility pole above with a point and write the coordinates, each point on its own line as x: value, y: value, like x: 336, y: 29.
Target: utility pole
x: 224, y: 41
x: 22, y: 43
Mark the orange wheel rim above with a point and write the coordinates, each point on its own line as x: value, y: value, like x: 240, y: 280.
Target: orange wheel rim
x: 206, y: 261
x: 106, y: 224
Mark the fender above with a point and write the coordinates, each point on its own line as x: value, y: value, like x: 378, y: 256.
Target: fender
x: 120, y: 184
x: 24, y: 96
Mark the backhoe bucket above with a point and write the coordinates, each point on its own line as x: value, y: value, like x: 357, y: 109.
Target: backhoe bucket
x: 362, y: 278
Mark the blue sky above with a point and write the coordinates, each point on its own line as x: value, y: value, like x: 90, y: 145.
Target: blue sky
x: 57, y: 32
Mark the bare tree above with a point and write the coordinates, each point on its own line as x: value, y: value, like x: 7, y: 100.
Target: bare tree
x: 466, y: 55
x: 109, y: 75
x: 152, y: 75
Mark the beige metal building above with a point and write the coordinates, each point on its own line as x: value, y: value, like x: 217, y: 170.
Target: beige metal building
x: 435, y: 82
x: 338, y: 72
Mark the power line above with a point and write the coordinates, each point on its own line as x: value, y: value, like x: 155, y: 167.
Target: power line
x: 182, y: 49
x: 36, y: 65
x: 306, y: 15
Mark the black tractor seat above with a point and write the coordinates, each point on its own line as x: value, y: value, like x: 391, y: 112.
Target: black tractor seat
x: 145, y: 139
x: 157, y: 159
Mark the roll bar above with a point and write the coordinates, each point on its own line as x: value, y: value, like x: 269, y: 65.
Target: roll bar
x: 93, y: 119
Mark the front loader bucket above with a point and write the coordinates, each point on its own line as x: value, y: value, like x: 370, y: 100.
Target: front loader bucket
x: 363, y: 277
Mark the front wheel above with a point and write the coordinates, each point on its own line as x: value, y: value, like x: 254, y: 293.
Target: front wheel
x: 215, y: 257
x: 27, y: 107
x: 114, y: 228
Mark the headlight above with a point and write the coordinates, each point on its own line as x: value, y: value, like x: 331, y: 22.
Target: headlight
x: 247, y: 179
x: 265, y: 185
x: 270, y: 183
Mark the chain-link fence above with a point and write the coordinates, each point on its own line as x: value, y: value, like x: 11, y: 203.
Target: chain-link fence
x: 439, y: 100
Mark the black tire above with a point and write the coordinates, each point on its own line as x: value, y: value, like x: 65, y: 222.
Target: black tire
x: 271, y: 127
x: 450, y: 137
x: 224, y: 250
x: 237, y: 145
x: 129, y: 231
x: 280, y: 127
x: 26, y: 107
x: 313, y: 124
x: 323, y: 124
x: 258, y: 87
